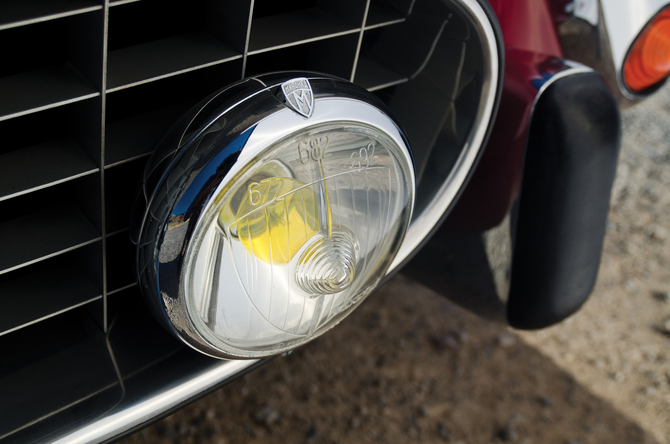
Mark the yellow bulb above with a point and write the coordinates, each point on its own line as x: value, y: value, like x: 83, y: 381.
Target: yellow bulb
x: 275, y: 218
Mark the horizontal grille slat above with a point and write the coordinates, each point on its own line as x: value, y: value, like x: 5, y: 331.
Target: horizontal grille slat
x: 15, y: 13
x: 136, y: 137
x: 293, y: 28
x: 43, y: 234
x: 43, y: 165
x: 42, y: 293
x: 42, y: 89
x: 121, y: 2
x: 379, y: 16
x: 165, y: 57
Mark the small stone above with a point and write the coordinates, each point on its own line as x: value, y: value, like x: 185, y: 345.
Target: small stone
x: 249, y: 428
x: 510, y: 432
x: 618, y: 376
x: 413, y: 431
x: 599, y: 363
x: 169, y: 432
x: 664, y: 327
x: 654, y: 377
x: 545, y: 401
x: 634, y: 354
x: 506, y: 339
x: 284, y: 378
x: 267, y: 416
x: 649, y: 354
x: 451, y: 341
x: 663, y: 296
x: 354, y: 423
x: 649, y: 391
x: 382, y: 361
x: 656, y: 232
x: 312, y: 432
x: 210, y: 414
x: 423, y: 411
x: 443, y: 431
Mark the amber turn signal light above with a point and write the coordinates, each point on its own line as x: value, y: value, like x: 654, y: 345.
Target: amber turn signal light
x: 649, y: 59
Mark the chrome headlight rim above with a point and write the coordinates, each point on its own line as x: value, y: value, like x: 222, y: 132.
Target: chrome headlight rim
x: 163, y: 284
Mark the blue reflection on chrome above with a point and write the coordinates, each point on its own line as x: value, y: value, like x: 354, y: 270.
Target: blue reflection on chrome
x: 209, y: 171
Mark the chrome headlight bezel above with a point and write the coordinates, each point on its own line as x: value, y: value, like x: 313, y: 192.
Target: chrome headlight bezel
x: 215, y: 141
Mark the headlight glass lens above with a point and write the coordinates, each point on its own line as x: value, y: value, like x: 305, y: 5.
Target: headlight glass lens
x: 294, y: 242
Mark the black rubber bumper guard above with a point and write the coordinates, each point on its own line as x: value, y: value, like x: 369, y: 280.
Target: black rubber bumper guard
x: 569, y: 169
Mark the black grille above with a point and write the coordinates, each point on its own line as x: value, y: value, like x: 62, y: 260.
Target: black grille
x: 76, y: 140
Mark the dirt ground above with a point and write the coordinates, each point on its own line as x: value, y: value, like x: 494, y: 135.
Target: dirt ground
x: 409, y: 366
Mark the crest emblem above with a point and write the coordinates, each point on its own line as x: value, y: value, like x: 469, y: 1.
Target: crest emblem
x: 299, y: 96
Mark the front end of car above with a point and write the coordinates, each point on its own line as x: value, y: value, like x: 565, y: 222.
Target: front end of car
x: 189, y: 190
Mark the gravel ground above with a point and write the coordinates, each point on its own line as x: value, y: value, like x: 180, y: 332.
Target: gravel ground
x: 409, y: 366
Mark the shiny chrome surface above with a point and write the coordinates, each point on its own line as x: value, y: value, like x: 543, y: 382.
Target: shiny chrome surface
x: 333, y: 101
x: 424, y: 222
x: 586, y: 10
x: 162, y: 400
x: 568, y: 68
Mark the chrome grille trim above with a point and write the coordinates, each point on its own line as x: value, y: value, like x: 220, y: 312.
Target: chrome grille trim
x: 162, y: 401
x: 424, y: 224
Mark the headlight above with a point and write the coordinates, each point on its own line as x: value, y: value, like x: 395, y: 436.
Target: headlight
x: 287, y: 209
